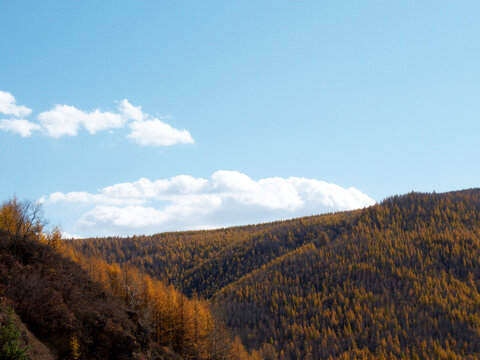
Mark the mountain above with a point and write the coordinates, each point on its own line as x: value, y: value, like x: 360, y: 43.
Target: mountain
x: 400, y: 279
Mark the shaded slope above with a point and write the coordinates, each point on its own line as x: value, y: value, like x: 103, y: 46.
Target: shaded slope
x: 36, y: 349
x: 243, y: 257
x: 57, y: 300
x: 166, y: 256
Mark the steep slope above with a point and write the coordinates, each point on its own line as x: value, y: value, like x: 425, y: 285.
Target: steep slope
x: 36, y: 349
x: 84, y: 308
x: 57, y: 301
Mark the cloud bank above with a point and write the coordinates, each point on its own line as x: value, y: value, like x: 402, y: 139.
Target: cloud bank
x: 67, y: 120
x: 185, y: 202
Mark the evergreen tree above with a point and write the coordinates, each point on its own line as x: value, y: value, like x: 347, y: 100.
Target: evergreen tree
x: 10, y: 348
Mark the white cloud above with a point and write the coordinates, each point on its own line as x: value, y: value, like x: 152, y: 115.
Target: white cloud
x: 67, y: 120
x: 331, y: 195
x: 185, y: 202
x: 82, y: 197
x: 157, y: 190
x: 148, y: 131
x: 273, y: 193
x: 22, y: 127
x: 8, y: 106
x: 157, y: 133
x: 129, y: 216
x: 131, y: 112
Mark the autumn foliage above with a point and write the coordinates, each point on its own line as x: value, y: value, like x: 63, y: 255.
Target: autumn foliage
x: 397, y: 280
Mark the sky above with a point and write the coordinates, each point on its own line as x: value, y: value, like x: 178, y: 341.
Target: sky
x: 133, y: 117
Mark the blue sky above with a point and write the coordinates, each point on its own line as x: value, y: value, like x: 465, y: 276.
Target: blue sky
x: 380, y: 96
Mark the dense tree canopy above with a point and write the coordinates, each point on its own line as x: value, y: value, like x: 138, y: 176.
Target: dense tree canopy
x: 397, y: 280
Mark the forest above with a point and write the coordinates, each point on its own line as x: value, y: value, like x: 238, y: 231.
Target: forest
x: 400, y: 279
x: 397, y: 280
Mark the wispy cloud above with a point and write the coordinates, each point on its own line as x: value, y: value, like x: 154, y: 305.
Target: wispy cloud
x: 67, y: 120
x: 185, y: 202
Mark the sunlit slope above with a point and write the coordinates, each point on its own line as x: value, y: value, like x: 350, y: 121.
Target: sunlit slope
x: 402, y: 280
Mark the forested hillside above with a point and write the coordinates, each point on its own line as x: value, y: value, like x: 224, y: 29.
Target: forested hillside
x: 79, y: 307
x: 203, y: 262
x: 397, y: 280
